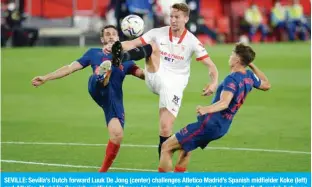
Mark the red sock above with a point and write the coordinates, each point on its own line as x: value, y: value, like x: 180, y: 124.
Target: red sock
x: 161, y: 170
x: 179, y: 169
x: 111, y: 153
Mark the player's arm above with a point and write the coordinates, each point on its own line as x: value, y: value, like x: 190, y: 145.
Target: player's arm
x: 126, y: 45
x: 223, y: 103
x: 142, y: 40
x: 59, y: 73
x: 131, y: 44
x: 213, y: 74
x: 265, y: 83
x: 202, y: 55
x: 137, y: 72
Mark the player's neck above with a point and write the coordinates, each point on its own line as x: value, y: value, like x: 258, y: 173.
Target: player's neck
x: 104, y: 49
x: 177, y: 33
x: 238, y: 69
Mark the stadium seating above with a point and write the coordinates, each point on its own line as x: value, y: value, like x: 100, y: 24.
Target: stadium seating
x: 63, y: 32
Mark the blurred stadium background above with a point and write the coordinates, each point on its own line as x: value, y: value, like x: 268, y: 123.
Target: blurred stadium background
x: 58, y: 127
x: 73, y: 22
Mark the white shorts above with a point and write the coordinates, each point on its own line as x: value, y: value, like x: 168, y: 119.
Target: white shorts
x: 169, y: 89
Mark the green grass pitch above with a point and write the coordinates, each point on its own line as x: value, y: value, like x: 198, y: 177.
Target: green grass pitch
x: 62, y: 111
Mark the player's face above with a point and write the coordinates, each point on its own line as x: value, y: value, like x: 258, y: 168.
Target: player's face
x: 234, y: 59
x: 110, y: 36
x: 178, y: 19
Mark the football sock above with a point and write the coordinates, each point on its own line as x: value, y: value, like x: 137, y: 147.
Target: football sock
x: 179, y: 169
x: 162, y: 139
x: 138, y: 53
x: 111, y: 153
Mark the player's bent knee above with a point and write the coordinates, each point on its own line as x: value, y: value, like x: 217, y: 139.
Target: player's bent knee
x: 116, y: 137
x: 118, y: 134
x: 115, y: 130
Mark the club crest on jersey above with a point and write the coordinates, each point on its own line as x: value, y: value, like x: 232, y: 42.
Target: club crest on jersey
x: 179, y: 48
x: 182, y: 48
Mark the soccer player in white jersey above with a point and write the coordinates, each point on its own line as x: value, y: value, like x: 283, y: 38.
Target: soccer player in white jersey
x: 168, y: 52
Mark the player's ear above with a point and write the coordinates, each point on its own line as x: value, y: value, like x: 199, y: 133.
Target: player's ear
x: 239, y: 61
x: 186, y: 19
x: 102, y: 40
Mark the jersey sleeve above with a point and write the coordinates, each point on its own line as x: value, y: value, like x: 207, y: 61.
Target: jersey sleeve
x: 85, y: 60
x: 149, y: 36
x: 130, y: 67
x: 229, y: 84
x: 199, y: 50
x: 256, y: 80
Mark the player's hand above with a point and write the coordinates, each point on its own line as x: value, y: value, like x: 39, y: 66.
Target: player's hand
x: 201, y: 110
x: 209, y: 89
x: 37, y: 81
x: 108, y: 48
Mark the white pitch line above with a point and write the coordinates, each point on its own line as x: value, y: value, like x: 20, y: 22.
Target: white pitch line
x: 261, y: 150
x: 72, y: 166
x: 153, y: 146
x: 77, y: 144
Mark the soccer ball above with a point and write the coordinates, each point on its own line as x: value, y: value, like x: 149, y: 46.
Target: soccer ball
x: 132, y: 26
x: 244, y: 39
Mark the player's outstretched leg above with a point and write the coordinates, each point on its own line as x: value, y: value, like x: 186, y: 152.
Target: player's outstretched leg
x: 103, y: 72
x: 167, y: 150
x: 115, y: 131
x: 138, y: 53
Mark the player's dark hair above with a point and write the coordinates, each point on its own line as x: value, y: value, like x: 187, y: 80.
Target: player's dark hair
x: 182, y: 7
x: 107, y: 27
x: 245, y: 53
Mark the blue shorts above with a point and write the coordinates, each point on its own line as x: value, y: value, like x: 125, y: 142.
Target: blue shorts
x: 200, y: 133
x: 101, y: 95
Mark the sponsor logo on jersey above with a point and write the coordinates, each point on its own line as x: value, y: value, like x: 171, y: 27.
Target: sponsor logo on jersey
x: 172, y: 56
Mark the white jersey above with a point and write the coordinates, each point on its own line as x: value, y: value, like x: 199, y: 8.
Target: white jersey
x: 176, y: 53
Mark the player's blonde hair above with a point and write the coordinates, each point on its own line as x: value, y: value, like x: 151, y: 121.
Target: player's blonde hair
x: 182, y: 7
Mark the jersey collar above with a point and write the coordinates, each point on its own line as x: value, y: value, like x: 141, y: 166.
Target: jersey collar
x: 181, y: 37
